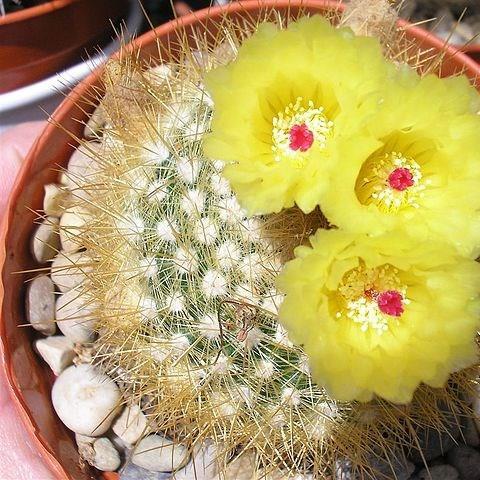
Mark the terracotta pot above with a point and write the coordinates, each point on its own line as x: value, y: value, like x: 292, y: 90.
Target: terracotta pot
x: 42, y: 40
x: 30, y: 379
x: 472, y: 51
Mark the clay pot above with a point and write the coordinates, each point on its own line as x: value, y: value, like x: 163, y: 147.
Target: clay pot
x: 29, y: 379
x: 472, y: 51
x: 42, y: 40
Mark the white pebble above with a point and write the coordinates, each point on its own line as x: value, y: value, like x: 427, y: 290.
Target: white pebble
x: 241, y: 467
x: 159, y: 454
x: 55, y: 199
x: 85, y: 399
x: 82, y: 168
x: 72, y: 226
x: 70, y: 269
x: 40, y: 304
x: 203, y: 465
x: 106, y: 456
x: 98, y: 452
x: 46, y: 240
x: 95, y: 123
x: 131, y: 424
x: 74, y: 313
x: 56, y: 351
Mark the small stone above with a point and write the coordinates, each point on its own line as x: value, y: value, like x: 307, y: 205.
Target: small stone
x: 40, y: 304
x: 476, y: 406
x: 119, y: 444
x: 435, y: 443
x: 56, y: 351
x: 81, y: 439
x: 55, y: 199
x: 83, y: 353
x: 95, y: 123
x: 203, y: 465
x: 75, y: 316
x: 395, y: 467
x: 282, y: 475
x: 134, y: 472
x: 470, y: 433
x: 131, y: 424
x: 343, y: 470
x: 72, y: 227
x: 46, y: 241
x: 81, y: 170
x: 106, y: 457
x: 241, y: 467
x: 159, y: 454
x: 85, y: 399
x: 466, y: 460
x: 69, y: 269
x: 438, y: 472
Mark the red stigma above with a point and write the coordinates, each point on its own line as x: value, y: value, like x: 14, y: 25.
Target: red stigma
x: 391, y: 303
x: 301, y: 138
x: 400, y: 179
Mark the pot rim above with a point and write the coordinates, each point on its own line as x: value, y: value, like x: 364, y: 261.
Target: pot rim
x: 78, y: 92
x: 37, y: 11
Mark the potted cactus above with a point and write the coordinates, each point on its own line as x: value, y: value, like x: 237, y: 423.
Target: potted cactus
x: 245, y: 266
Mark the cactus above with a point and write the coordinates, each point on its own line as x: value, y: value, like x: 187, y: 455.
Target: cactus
x: 183, y: 285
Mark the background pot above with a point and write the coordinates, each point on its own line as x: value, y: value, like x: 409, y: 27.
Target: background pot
x: 32, y: 101
x: 41, y: 40
x: 473, y: 51
x: 29, y: 378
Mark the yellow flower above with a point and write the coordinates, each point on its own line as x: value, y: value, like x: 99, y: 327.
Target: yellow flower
x: 285, y: 104
x: 379, y: 315
x: 424, y: 176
